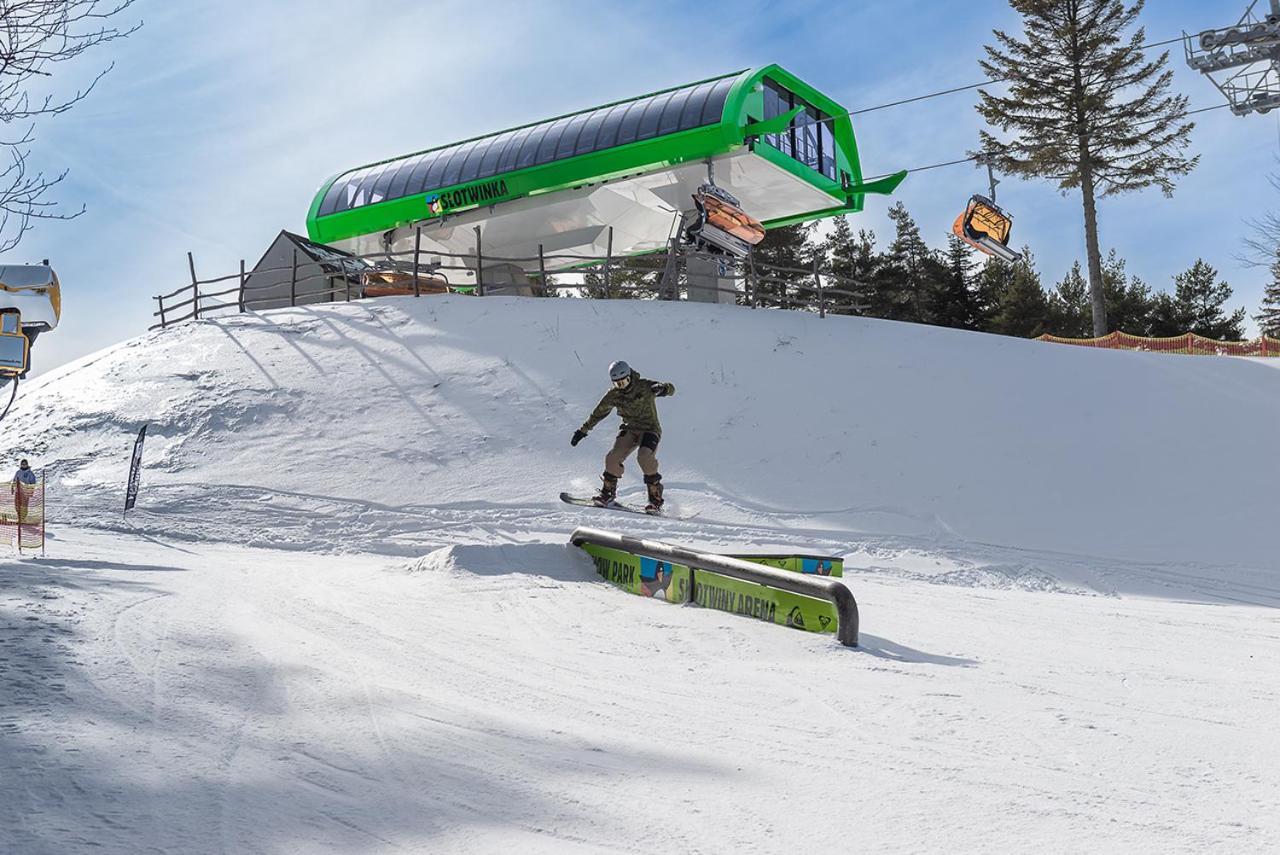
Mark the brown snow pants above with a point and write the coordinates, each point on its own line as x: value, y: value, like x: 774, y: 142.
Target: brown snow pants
x: 627, y: 442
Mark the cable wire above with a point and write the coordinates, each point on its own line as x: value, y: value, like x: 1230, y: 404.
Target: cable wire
x: 976, y: 156
x: 971, y: 86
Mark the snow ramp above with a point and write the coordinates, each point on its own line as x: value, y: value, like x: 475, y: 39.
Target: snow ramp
x: 363, y: 425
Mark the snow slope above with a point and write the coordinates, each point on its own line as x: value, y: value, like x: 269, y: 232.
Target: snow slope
x: 1064, y: 560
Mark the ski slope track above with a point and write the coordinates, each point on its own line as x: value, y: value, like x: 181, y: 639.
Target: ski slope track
x: 343, y: 617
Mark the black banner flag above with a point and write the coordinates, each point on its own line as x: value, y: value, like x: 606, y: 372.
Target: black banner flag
x: 135, y: 471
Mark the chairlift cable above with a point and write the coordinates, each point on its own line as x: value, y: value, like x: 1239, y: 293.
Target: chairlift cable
x: 977, y: 156
x: 972, y: 86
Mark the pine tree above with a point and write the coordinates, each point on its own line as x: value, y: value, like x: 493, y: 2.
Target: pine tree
x: 990, y: 285
x: 1202, y: 296
x: 1268, y: 317
x: 1087, y: 109
x: 635, y: 278
x: 1022, y: 307
x: 1069, y: 309
x: 853, y: 260
x: 1128, y: 297
x: 899, y: 289
x: 952, y: 303
x: 1169, y: 317
x: 784, y: 247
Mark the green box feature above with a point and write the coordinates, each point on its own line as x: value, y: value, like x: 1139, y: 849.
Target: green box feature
x: 676, y: 583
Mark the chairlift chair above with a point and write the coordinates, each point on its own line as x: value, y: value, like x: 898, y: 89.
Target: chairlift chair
x: 986, y: 227
x: 720, y: 223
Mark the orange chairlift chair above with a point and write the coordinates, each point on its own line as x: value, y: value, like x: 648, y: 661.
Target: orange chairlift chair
x: 986, y: 227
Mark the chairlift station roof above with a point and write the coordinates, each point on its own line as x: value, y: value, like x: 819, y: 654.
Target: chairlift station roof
x: 784, y: 149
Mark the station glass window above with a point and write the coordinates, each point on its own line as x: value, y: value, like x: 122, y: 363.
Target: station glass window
x: 810, y: 138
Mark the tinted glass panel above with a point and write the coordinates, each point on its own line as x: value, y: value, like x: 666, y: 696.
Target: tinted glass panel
x: 569, y: 139
x: 396, y: 188
x: 586, y: 141
x: 379, y: 191
x: 331, y: 197
x: 669, y: 121
x: 489, y: 166
x: 365, y: 191
x: 509, y: 157
x: 550, y: 141
x: 713, y: 110
x: 691, y: 112
x: 471, y: 168
x: 453, y: 169
x: 630, y: 123
x: 807, y: 138
x: 608, y: 136
x: 652, y: 114
x: 827, y: 142
x: 351, y: 196
x: 418, y: 178
x: 434, y: 177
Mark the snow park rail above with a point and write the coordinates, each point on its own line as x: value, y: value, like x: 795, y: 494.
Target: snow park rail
x: 679, y: 582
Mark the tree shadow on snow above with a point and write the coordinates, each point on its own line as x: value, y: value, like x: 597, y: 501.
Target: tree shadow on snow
x: 131, y: 722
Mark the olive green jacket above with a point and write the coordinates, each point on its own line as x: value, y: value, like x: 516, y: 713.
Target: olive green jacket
x: 635, y: 404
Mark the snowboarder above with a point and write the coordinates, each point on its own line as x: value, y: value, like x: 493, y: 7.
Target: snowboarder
x: 633, y: 397
x: 21, y: 487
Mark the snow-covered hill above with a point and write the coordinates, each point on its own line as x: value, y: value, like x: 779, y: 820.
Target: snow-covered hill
x: 1065, y: 561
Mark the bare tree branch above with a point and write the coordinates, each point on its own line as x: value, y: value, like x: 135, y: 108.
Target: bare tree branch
x: 36, y: 35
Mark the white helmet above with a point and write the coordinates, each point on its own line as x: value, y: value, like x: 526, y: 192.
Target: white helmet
x: 619, y: 371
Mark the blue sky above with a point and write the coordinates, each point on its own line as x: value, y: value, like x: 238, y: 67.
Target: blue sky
x: 221, y: 119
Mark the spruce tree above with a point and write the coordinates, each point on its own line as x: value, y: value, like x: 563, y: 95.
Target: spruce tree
x: 1268, y: 317
x: 1069, y: 308
x: 1087, y: 109
x: 899, y: 289
x: 1022, y: 307
x: 952, y: 302
x: 1202, y: 296
x: 1128, y: 297
x: 853, y: 259
x: 784, y: 247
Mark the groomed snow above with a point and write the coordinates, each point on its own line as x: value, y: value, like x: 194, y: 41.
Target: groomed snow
x: 343, y: 618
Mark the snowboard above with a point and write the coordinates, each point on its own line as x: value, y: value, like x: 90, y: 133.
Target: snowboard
x: 612, y: 506
x: 622, y: 506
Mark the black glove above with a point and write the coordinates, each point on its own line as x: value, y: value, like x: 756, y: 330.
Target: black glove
x: 578, y: 436
x: 658, y: 389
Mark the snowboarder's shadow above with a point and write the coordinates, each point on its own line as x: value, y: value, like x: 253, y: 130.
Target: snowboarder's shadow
x: 882, y: 648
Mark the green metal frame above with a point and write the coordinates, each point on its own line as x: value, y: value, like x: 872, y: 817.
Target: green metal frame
x: 739, y: 126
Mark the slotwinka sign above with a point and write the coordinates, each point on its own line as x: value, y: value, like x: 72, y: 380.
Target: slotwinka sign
x: 135, y: 471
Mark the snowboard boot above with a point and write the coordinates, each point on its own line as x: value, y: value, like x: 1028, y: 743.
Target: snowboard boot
x: 608, y: 490
x: 654, y: 483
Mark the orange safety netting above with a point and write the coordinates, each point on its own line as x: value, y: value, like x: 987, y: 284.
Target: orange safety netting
x: 1189, y: 343
x: 22, y: 514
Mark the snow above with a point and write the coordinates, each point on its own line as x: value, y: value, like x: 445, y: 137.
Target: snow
x: 344, y: 617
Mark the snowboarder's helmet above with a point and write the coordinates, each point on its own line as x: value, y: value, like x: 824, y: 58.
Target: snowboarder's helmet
x: 619, y: 371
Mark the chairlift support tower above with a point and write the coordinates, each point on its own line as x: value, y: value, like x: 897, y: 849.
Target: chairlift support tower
x: 1245, y: 58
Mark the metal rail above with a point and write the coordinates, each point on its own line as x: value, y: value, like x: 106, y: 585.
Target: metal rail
x: 822, y: 588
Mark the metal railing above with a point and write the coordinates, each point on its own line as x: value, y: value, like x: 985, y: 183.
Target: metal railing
x: 341, y: 278
x: 818, y: 587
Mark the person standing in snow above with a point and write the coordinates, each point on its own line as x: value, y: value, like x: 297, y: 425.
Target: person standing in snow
x: 634, y: 399
x: 21, y: 487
